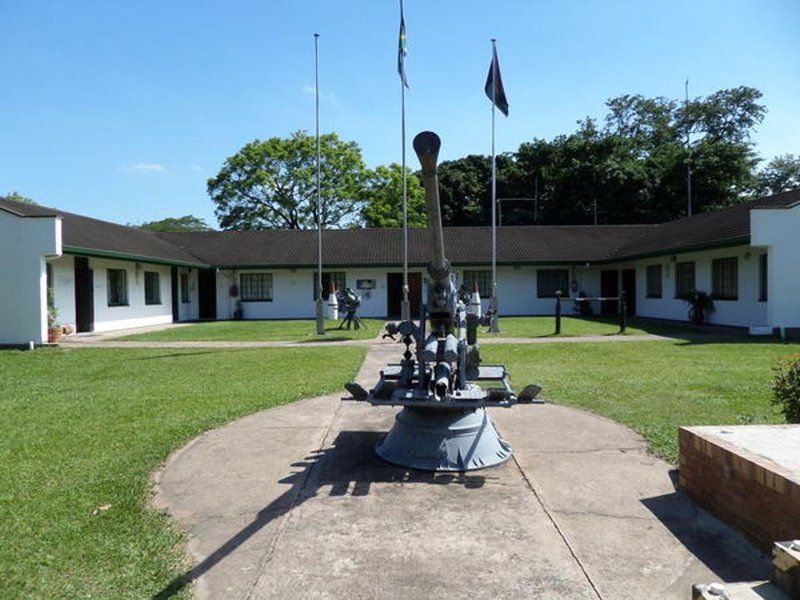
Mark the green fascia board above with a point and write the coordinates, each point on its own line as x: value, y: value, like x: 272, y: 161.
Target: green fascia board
x: 78, y: 250
x: 399, y: 266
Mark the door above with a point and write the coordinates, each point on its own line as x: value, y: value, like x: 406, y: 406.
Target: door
x: 84, y: 295
x: 175, y: 302
x: 609, y: 288
x: 394, y: 294
x: 207, y: 292
x: 629, y: 287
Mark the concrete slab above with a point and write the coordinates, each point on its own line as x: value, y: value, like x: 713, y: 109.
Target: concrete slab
x: 779, y: 444
x: 292, y: 502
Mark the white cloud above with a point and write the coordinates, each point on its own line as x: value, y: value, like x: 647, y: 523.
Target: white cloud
x: 324, y: 97
x: 146, y: 167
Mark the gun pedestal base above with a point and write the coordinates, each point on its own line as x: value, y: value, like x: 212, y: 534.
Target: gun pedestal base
x: 443, y: 440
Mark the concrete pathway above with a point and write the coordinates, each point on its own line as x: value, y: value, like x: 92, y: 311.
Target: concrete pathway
x: 292, y: 503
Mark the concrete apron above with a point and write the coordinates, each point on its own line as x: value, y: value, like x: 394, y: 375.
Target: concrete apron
x: 293, y: 503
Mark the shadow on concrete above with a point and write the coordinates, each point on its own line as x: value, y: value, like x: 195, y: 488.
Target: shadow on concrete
x: 724, y: 550
x: 348, y: 467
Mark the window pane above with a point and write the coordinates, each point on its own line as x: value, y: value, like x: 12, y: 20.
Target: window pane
x: 763, y: 286
x: 725, y: 278
x: 484, y: 280
x: 684, y: 279
x: 152, y: 288
x: 654, y: 281
x: 338, y: 278
x: 185, y: 288
x: 256, y: 286
x: 550, y: 281
x: 117, y: 284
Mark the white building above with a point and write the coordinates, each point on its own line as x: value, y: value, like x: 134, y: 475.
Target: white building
x: 104, y: 276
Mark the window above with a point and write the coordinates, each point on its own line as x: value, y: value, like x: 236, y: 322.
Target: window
x: 550, y: 281
x: 654, y: 280
x: 763, y: 264
x: 50, y: 298
x: 184, y: 288
x: 684, y: 279
x: 482, y: 278
x: 117, y: 287
x: 725, y: 278
x: 336, y: 277
x: 152, y: 288
x: 256, y: 287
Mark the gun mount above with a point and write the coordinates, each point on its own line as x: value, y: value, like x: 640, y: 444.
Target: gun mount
x: 442, y: 386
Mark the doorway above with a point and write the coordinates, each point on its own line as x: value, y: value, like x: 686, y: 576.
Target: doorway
x: 207, y: 293
x: 629, y: 287
x: 394, y: 294
x: 173, y: 276
x: 84, y: 295
x: 609, y: 288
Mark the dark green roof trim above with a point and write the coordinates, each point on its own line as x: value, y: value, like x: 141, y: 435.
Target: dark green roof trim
x: 399, y: 266
x: 130, y: 257
x: 739, y: 241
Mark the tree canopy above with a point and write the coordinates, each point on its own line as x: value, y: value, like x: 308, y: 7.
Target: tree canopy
x: 384, y: 198
x: 17, y: 197
x: 185, y: 223
x: 272, y: 184
x: 781, y: 174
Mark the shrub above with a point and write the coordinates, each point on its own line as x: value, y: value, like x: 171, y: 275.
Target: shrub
x: 786, y: 388
x: 700, y: 306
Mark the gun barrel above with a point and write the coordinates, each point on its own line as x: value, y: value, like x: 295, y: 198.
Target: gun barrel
x: 426, y: 145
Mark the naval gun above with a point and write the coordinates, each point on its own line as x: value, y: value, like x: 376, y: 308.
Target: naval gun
x: 442, y: 386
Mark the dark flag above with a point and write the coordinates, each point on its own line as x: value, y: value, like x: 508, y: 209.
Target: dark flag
x: 401, y: 48
x: 494, y: 88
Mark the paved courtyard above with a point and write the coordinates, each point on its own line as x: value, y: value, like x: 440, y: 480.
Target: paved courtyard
x: 292, y: 502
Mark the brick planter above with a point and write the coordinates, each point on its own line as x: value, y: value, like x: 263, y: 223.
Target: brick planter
x: 747, y: 475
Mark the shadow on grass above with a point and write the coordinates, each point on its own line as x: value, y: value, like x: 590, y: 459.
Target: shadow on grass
x: 721, y: 548
x: 350, y: 463
x: 179, y: 354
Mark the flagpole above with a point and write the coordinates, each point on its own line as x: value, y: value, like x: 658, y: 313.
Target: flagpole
x: 688, y: 158
x: 319, y: 307
x: 494, y: 325
x: 405, y: 307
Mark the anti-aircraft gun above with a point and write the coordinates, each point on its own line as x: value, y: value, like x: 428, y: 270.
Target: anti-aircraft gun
x: 442, y: 386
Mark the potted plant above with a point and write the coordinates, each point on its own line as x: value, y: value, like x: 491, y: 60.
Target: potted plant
x: 54, y: 329
x: 700, y: 306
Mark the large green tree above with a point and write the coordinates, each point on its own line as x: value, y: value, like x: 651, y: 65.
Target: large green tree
x: 781, y: 174
x: 271, y: 184
x: 185, y: 223
x: 17, y: 197
x: 384, y: 198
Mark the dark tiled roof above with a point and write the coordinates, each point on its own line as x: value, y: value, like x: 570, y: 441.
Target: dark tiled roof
x: 92, y: 234
x: 727, y: 226
x: 374, y: 247
x: 463, y: 245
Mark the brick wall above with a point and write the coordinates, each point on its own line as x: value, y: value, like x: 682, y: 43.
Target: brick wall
x: 754, y: 494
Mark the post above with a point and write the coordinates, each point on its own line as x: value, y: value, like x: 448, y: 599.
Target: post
x: 558, y: 313
x: 405, y: 306
x: 623, y: 313
x: 320, y: 307
x: 494, y: 325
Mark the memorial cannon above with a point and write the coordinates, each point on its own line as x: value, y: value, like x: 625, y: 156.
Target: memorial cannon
x: 442, y: 386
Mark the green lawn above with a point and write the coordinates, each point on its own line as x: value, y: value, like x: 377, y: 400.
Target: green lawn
x: 298, y: 330
x: 653, y: 387
x: 533, y: 327
x: 85, y: 428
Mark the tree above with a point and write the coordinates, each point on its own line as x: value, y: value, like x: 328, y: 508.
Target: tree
x: 782, y: 174
x: 16, y: 197
x: 384, y: 198
x: 465, y: 188
x: 185, y: 223
x: 271, y: 184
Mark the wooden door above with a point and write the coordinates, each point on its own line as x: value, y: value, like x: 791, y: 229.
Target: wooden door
x: 609, y: 288
x: 629, y: 287
x: 84, y: 295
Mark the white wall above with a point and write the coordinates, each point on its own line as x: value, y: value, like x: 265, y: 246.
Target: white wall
x: 746, y: 311
x: 779, y: 230
x: 24, y: 244
x: 63, y: 272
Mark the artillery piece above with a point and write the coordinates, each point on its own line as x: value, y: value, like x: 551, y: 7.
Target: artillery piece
x: 443, y: 425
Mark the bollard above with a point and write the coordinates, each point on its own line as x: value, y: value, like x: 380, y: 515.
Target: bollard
x: 558, y: 313
x: 623, y: 313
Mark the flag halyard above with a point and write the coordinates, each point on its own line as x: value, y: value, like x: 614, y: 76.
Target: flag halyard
x: 494, y: 85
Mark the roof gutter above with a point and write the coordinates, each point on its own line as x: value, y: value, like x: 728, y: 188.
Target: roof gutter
x: 128, y: 256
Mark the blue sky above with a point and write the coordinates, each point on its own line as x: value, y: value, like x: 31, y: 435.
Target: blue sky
x: 122, y: 110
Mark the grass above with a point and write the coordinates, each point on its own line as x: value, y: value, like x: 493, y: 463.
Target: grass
x: 297, y: 330
x: 653, y: 387
x: 544, y: 326
x: 85, y: 428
